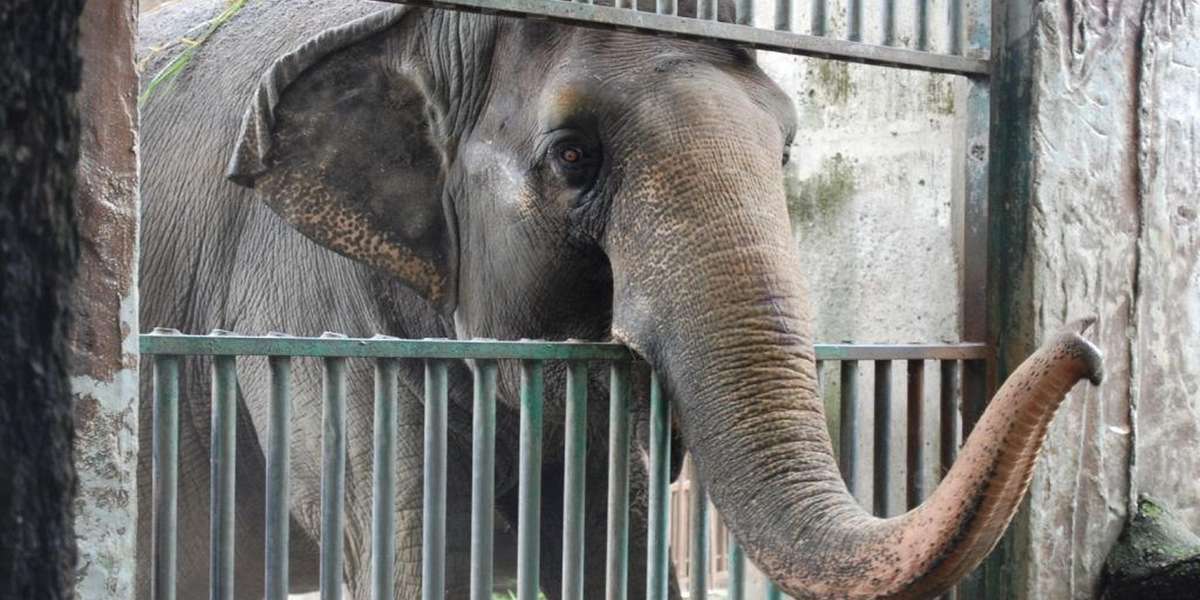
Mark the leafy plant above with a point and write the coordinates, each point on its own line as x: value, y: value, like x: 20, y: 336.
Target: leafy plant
x: 181, y: 61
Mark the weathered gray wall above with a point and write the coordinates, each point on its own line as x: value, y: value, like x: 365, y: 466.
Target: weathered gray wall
x: 104, y: 335
x: 1094, y: 211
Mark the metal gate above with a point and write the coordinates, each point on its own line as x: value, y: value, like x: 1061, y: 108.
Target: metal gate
x: 168, y: 348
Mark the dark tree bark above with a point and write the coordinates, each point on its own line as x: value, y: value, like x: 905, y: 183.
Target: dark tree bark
x: 39, y: 75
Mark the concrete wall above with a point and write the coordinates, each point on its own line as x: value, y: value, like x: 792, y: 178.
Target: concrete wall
x: 1095, y: 211
x: 104, y: 335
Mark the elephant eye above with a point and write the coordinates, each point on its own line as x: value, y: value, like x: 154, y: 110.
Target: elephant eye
x: 571, y: 154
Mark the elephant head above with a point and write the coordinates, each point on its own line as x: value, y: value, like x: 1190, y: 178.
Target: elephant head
x: 534, y: 180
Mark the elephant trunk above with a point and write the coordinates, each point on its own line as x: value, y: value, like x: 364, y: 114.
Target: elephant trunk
x: 720, y: 311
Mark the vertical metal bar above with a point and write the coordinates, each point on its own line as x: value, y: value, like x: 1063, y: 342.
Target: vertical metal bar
x: 974, y: 392
x: 617, y: 553
x: 772, y: 591
x: 278, y: 479
x: 737, y: 570
x: 333, y: 476
x: 483, y: 479
x: 698, y: 563
x: 889, y: 22
x: 660, y: 494
x: 948, y: 390
x: 665, y: 7
x: 883, y: 436
x: 956, y: 27
x: 821, y: 378
x: 529, y: 494
x: 433, y: 542
x: 383, y: 526
x: 848, y: 427
x: 165, y: 471
x: 707, y: 10
x: 817, y: 15
x: 629, y: 4
x: 783, y: 14
x: 922, y: 24
x: 745, y: 12
x: 574, y: 479
x: 854, y: 9
x: 915, y: 468
x: 223, y: 458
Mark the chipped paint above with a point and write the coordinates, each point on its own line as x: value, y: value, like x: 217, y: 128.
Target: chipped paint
x: 103, y: 336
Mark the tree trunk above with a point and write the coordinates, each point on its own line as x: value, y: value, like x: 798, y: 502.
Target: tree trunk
x: 39, y: 76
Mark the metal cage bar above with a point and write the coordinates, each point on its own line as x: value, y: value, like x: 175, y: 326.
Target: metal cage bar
x: 780, y: 39
x: 574, y: 481
x: 617, y: 551
x: 383, y: 487
x: 433, y: 532
x: 659, y: 517
x: 483, y: 478
x: 333, y: 476
x: 529, y: 491
x: 278, y: 519
x: 165, y: 472
x: 221, y: 481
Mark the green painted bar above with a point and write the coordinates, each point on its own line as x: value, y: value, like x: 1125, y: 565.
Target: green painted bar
x: 485, y: 349
x: 165, y: 471
x: 574, y: 480
x: 483, y: 479
x: 278, y: 479
x: 333, y: 477
x: 223, y: 458
x: 433, y: 533
x: 737, y: 570
x: 659, y: 519
x: 773, y: 592
x: 529, y: 493
x: 383, y: 500
x: 617, y: 553
x: 698, y: 570
x: 848, y: 427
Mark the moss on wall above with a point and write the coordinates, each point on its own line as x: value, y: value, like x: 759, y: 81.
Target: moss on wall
x: 820, y: 196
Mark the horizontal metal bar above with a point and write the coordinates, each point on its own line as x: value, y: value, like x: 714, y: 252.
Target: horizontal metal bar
x: 379, y: 348
x: 964, y: 351
x: 230, y: 345
x: 590, y: 15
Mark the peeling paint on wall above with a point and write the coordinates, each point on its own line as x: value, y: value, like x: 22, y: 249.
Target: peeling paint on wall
x: 104, y: 333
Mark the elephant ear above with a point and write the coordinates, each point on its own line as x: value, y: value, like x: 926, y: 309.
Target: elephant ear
x: 342, y: 141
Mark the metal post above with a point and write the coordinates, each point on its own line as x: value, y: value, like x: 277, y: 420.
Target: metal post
x: 529, y: 494
x: 783, y: 14
x: 883, y: 436
x: 223, y: 459
x: 383, y: 526
x: 660, y: 493
x: 333, y: 476
x: 773, y: 591
x: 948, y: 389
x: 574, y: 480
x: 848, y: 427
x: 278, y: 479
x: 665, y: 7
x: 818, y: 15
x: 483, y: 479
x: 433, y: 542
x: 889, y: 22
x: 165, y: 471
x: 915, y: 468
x: 698, y: 564
x: 737, y: 570
x: 617, y: 553
x: 854, y: 10
x: 745, y: 12
x: 707, y: 10
x: 922, y: 25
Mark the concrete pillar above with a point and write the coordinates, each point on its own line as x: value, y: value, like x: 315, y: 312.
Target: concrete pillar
x: 103, y: 337
x: 1094, y: 210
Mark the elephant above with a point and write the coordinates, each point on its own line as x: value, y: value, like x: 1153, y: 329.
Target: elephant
x: 417, y: 172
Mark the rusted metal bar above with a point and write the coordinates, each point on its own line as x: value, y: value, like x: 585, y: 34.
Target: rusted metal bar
x: 883, y: 436
x: 948, y: 391
x: 848, y: 427
x: 916, y: 438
